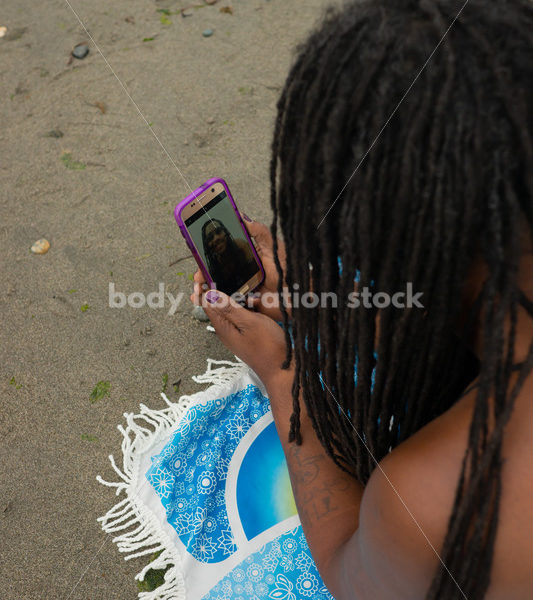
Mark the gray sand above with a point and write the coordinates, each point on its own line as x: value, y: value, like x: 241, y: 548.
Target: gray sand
x: 211, y: 101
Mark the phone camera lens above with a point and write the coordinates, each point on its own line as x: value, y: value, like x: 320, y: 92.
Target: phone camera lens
x: 212, y: 189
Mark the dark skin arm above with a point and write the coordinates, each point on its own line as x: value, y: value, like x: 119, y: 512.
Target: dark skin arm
x: 328, y: 499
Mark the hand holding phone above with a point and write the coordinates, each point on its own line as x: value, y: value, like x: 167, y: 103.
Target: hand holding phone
x: 215, y: 233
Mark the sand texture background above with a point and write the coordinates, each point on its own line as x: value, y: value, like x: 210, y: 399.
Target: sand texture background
x: 103, y: 195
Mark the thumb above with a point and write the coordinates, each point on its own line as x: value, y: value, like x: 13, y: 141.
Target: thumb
x: 223, y: 310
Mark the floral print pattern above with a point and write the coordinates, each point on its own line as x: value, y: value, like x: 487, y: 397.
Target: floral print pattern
x: 189, y: 476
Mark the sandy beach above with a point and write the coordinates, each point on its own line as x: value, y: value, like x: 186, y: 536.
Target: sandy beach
x: 81, y: 167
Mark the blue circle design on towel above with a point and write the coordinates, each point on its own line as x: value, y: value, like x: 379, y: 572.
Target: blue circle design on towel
x: 189, y: 476
x: 264, y: 493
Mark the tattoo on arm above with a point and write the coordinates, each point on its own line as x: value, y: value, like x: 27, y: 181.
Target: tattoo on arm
x: 315, y: 490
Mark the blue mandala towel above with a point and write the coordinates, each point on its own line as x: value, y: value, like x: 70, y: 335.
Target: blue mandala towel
x: 207, y: 486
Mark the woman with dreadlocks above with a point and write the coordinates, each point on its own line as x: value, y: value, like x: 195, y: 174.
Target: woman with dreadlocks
x: 229, y: 261
x: 411, y: 481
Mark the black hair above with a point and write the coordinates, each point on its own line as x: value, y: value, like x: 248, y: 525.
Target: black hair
x: 444, y: 181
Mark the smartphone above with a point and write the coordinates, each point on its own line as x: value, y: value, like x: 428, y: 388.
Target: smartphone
x: 215, y: 233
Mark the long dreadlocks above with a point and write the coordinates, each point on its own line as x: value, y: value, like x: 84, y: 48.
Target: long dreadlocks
x: 448, y: 182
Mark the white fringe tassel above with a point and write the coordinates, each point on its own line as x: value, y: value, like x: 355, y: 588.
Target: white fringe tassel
x: 141, y: 534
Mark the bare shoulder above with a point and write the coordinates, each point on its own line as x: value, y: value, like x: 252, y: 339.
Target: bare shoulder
x: 408, y: 501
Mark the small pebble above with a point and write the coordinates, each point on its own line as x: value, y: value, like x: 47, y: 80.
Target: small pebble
x: 207, y: 32
x: 41, y: 246
x: 199, y: 314
x: 3, y: 31
x: 55, y: 133
x: 80, y: 51
x: 211, y: 120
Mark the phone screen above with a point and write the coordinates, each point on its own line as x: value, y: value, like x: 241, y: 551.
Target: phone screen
x: 222, y: 244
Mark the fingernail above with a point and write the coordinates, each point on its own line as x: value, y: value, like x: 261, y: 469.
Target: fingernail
x: 247, y: 218
x: 212, y: 297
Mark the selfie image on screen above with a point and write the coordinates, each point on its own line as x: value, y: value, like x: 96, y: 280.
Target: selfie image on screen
x: 221, y: 242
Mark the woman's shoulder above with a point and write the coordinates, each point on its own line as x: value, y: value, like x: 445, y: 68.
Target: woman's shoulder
x: 410, y: 496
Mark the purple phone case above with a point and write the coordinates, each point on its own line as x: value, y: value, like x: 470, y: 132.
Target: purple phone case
x: 188, y: 240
